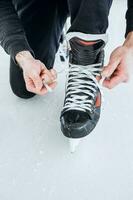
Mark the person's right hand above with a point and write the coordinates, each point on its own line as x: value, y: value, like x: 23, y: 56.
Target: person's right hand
x: 35, y: 72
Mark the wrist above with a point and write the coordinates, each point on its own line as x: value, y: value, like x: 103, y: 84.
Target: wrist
x: 23, y: 56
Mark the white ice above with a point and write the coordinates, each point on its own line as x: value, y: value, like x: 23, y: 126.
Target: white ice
x: 35, y: 161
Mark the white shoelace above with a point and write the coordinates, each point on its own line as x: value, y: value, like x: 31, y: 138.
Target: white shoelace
x: 82, y: 80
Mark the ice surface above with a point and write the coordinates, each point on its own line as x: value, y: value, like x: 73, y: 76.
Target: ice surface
x: 35, y: 161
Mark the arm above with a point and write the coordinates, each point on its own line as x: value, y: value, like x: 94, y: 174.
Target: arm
x: 14, y: 42
x: 12, y: 36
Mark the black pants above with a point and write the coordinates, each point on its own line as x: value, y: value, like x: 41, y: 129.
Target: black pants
x: 43, y: 30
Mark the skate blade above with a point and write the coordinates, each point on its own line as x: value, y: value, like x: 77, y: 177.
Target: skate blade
x: 73, y: 144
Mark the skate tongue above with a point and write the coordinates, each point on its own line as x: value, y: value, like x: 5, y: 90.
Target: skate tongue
x: 83, y: 54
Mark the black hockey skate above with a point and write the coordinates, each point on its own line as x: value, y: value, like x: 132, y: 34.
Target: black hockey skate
x: 82, y: 104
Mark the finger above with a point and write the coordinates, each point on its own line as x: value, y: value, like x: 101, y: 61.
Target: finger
x: 45, y: 90
x: 46, y: 79
x: 51, y: 76
x: 53, y: 85
x: 54, y: 73
x: 98, y: 78
x: 37, y: 81
x: 38, y: 92
x: 114, y: 81
x: 30, y: 84
x: 46, y: 71
x: 110, y: 68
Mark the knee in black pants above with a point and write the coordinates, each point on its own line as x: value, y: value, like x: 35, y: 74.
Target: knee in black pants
x: 21, y: 94
x: 17, y: 82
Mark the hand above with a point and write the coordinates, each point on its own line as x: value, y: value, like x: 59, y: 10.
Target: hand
x: 35, y: 72
x: 118, y: 69
x: 120, y: 66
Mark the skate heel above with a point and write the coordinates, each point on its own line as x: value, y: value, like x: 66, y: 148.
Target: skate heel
x: 73, y: 144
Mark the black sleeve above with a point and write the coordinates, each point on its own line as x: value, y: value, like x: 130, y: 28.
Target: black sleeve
x: 12, y: 36
x: 129, y: 17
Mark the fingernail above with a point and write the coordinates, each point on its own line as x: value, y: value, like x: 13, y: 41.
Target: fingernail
x: 104, y: 74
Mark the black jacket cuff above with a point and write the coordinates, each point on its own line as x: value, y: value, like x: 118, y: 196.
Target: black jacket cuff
x: 129, y: 19
x: 16, y: 47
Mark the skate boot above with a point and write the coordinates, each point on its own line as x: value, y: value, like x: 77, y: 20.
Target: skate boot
x: 82, y: 104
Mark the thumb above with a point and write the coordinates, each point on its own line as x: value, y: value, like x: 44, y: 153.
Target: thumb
x: 54, y: 73
x: 110, y: 68
x: 46, y: 79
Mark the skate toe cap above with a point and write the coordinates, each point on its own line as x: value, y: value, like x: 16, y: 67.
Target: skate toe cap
x: 72, y: 127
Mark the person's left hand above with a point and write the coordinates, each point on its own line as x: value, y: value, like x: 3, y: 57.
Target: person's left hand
x: 118, y: 69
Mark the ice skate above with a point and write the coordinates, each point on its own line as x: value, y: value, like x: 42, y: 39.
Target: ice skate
x: 82, y: 104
